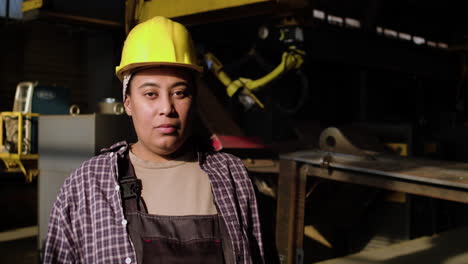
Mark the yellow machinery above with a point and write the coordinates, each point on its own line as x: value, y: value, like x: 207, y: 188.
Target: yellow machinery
x: 16, y: 143
x: 292, y: 59
x: 29, y: 5
x: 138, y: 11
x: 20, y: 160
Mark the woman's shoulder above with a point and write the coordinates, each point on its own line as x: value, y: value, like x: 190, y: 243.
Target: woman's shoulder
x: 97, y: 166
x: 227, y: 164
x: 94, y: 164
x: 222, y: 157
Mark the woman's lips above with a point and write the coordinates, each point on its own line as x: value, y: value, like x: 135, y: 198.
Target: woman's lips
x: 166, y: 129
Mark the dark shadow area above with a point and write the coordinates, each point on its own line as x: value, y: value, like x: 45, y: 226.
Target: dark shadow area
x: 18, y: 202
x: 23, y: 251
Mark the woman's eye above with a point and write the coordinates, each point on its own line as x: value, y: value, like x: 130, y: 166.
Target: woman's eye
x: 150, y: 94
x: 180, y: 94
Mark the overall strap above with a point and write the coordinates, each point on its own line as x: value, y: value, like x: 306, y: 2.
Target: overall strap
x: 130, y: 185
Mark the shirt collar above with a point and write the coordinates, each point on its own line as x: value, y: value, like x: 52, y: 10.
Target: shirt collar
x: 119, y: 148
x: 122, y: 147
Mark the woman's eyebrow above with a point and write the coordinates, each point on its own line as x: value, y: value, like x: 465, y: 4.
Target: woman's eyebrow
x: 153, y: 84
x: 150, y: 84
x: 181, y: 83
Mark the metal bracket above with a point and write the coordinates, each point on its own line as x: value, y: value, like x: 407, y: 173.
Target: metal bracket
x: 282, y: 259
x: 299, y: 256
x: 326, y: 161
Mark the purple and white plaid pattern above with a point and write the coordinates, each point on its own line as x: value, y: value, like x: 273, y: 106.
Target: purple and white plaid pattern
x: 87, y: 221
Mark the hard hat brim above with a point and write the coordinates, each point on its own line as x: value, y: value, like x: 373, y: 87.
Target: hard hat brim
x: 146, y: 65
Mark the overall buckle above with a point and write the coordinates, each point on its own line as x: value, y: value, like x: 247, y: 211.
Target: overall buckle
x: 131, y: 188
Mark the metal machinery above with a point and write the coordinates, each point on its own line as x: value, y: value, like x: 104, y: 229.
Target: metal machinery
x: 18, y: 149
x: 196, y: 12
x: 339, y: 160
x: 204, y: 10
x: 240, y: 89
x: 16, y: 8
x: 244, y: 87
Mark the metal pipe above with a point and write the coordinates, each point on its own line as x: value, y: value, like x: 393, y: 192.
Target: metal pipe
x: 20, y: 133
x: 7, y: 10
x: 1, y: 133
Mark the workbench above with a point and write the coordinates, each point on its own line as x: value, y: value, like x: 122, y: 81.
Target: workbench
x: 430, y: 178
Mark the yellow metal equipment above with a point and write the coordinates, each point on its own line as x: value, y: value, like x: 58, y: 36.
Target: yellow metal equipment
x: 20, y: 161
x: 291, y: 59
x: 178, y: 8
x: 29, y: 5
x: 399, y: 148
x: 138, y: 11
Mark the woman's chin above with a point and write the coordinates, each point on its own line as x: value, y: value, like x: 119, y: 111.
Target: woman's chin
x: 166, y: 149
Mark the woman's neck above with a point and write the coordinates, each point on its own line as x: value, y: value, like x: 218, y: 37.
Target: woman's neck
x: 139, y: 150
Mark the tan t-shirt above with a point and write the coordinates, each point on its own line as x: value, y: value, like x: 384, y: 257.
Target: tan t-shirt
x: 177, y: 187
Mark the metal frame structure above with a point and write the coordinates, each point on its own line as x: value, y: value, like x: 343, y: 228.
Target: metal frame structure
x: 14, y: 162
x: 437, y: 179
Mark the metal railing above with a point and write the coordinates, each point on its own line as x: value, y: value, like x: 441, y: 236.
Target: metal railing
x: 15, y: 152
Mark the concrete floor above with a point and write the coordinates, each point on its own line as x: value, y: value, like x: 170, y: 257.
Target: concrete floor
x: 18, y: 202
x: 22, y: 251
x: 446, y: 248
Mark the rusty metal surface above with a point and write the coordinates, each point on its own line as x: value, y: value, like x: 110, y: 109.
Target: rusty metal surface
x: 300, y: 214
x: 261, y: 165
x: 431, y: 178
x: 333, y: 139
x: 428, y: 190
x: 442, y: 173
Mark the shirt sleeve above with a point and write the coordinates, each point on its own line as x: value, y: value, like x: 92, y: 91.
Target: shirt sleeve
x: 257, y: 243
x: 58, y: 246
x: 254, y: 228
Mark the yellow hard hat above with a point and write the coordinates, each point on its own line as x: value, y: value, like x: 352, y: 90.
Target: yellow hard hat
x: 157, y: 42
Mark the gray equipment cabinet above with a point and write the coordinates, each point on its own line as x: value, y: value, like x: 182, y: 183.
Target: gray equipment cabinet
x: 64, y: 143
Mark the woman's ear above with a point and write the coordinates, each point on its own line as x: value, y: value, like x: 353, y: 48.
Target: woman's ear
x: 128, y: 105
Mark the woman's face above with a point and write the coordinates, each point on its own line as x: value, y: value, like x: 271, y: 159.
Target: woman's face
x: 160, y: 104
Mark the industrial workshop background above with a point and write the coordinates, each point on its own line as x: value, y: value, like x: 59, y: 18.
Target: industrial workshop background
x: 351, y: 116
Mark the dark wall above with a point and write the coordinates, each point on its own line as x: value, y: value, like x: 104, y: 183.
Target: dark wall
x: 103, y: 9
x: 40, y: 52
x: 76, y: 58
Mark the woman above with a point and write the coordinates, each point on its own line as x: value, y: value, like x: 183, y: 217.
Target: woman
x: 163, y: 199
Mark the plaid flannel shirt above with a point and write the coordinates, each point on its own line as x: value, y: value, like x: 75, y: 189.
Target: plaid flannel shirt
x: 87, y: 223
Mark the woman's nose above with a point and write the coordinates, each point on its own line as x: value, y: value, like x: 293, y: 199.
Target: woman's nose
x: 166, y: 106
